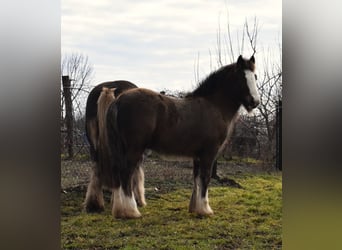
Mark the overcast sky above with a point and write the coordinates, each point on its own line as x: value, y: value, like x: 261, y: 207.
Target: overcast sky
x: 156, y: 43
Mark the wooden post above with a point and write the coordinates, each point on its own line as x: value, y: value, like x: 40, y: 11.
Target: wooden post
x: 69, y: 118
x: 278, y: 135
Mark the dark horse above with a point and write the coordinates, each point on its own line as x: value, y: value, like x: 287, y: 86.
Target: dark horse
x: 94, y: 197
x: 195, y: 126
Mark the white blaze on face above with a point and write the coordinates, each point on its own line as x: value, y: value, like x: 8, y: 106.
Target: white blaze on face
x: 251, y: 83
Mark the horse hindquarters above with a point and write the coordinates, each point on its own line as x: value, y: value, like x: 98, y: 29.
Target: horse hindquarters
x: 121, y: 165
x: 94, y: 197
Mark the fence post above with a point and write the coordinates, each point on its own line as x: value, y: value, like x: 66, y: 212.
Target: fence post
x: 279, y: 135
x: 68, y: 115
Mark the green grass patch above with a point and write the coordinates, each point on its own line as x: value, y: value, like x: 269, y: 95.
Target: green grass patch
x: 237, y: 159
x: 248, y: 218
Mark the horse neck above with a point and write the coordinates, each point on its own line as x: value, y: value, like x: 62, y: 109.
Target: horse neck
x: 226, y: 105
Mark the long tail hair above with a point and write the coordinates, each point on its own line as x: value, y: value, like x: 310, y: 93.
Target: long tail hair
x: 105, y: 99
x: 115, y: 165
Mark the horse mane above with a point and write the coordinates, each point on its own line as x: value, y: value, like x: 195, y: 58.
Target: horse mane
x: 209, y: 85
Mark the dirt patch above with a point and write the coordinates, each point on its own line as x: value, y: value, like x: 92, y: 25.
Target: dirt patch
x: 77, y: 173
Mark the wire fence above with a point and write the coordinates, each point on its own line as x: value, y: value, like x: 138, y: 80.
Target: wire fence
x: 248, y: 140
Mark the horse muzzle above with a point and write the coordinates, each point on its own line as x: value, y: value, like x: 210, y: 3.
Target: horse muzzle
x: 251, y: 104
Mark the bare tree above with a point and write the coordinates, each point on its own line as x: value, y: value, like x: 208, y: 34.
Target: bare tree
x: 79, y: 71
x: 270, y: 86
x: 269, y: 80
x: 234, y: 47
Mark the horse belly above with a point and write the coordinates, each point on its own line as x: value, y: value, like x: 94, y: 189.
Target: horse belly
x: 171, y: 148
x: 178, y: 142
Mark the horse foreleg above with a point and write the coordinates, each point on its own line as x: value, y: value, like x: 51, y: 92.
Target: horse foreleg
x: 138, y: 186
x: 94, y: 202
x: 199, y: 202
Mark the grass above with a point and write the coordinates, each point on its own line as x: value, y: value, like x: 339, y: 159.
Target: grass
x: 77, y: 157
x: 248, y: 218
x: 237, y: 159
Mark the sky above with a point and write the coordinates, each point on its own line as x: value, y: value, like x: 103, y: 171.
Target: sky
x: 165, y: 44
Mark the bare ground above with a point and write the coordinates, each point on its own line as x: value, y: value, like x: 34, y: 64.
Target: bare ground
x: 77, y: 173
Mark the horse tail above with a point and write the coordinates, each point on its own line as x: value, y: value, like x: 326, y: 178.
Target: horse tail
x: 105, y: 99
x: 103, y: 103
x: 117, y: 147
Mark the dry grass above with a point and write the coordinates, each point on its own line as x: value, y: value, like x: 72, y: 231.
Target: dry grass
x: 247, y: 218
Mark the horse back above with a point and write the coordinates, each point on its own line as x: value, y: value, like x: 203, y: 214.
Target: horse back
x: 139, y: 113
x: 168, y: 125
x: 91, y: 106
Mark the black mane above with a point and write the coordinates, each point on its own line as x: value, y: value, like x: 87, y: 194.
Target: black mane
x: 210, y: 83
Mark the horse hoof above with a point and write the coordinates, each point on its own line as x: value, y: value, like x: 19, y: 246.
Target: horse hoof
x: 93, y: 208
x: 204, y: 214
x: 127, y: 215
x: 201, y: 212
x: 141, y: 203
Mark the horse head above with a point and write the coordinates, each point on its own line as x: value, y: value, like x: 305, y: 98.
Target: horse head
x: 249, y: 95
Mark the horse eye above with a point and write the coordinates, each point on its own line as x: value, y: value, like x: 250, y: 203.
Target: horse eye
x: 256, y: 77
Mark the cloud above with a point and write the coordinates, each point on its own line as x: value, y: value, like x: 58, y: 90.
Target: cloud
x: 156, y: 43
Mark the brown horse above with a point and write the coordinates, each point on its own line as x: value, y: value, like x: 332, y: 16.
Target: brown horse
x: 195, y: 126
x: 108, y: 90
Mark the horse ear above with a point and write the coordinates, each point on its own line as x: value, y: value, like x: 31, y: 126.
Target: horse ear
x: 240, y: 61
x: 252, y: 59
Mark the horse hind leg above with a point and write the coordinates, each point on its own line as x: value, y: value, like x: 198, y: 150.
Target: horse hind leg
x: 199, y: 202
x: 138, y: 186
x: 94, y: 202
x: 124, y: 203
